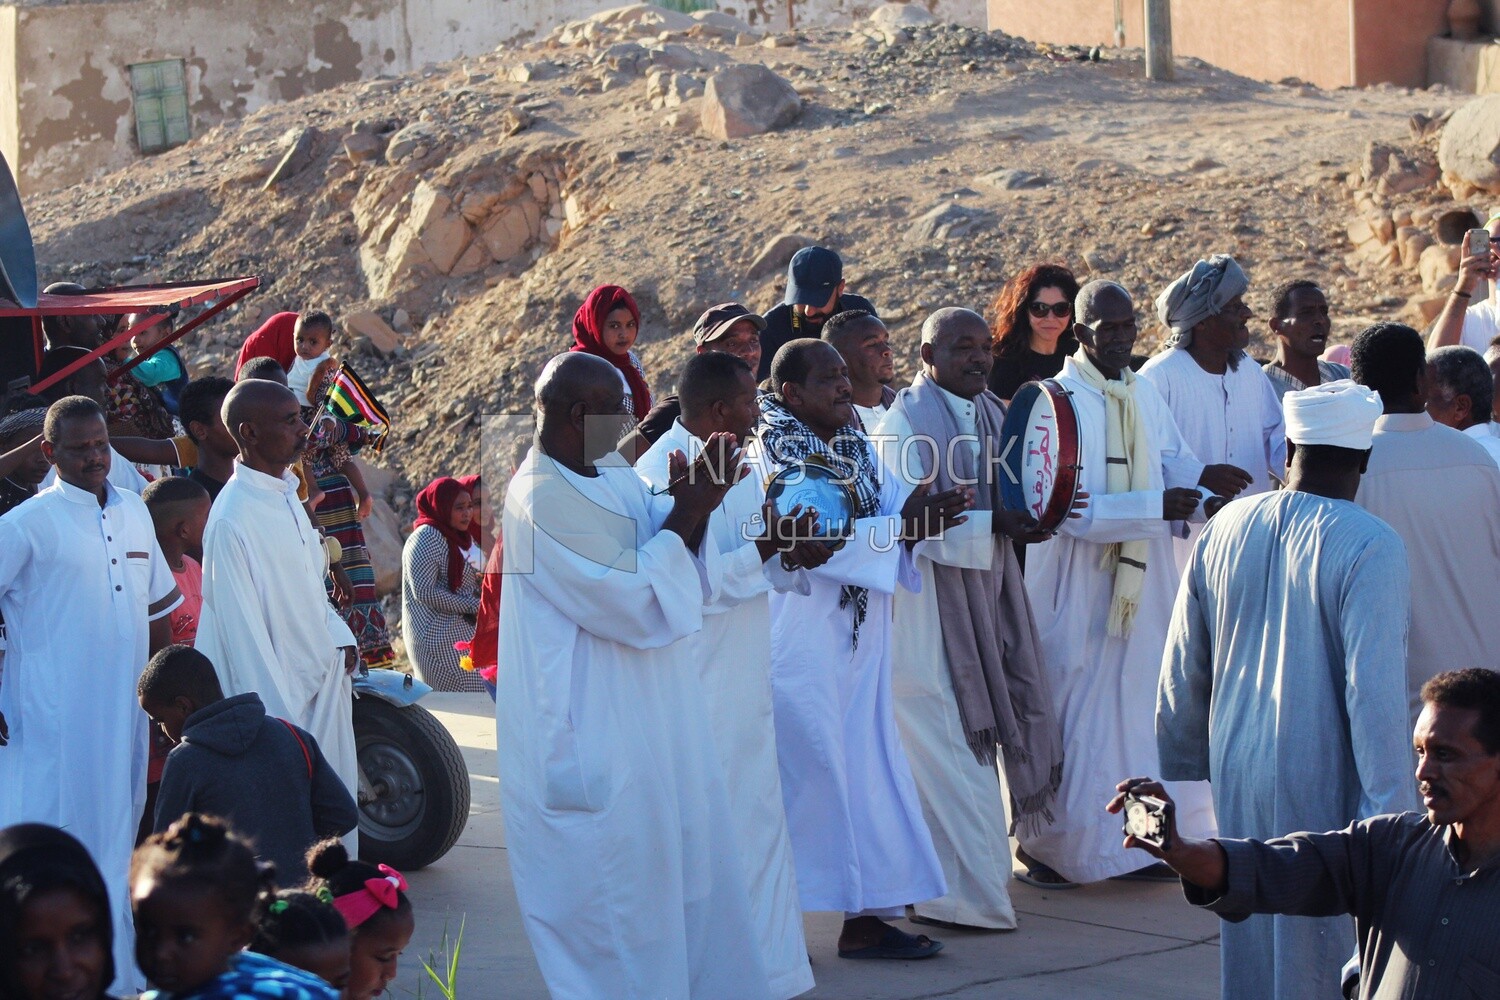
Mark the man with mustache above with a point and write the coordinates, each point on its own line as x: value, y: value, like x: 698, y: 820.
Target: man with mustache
x: 967, y: 671
x: 1289, y: 633
x: 1299, y: 319
x: 814, y: 295
x: 267, y: 625
x: 1423, y: 889
x: 1222, y: 402
x: 86, y: 596
x: 859, y: 841
x: 1101, y: 592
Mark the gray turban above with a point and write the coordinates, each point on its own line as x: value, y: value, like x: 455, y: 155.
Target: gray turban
x: 1200, y: 294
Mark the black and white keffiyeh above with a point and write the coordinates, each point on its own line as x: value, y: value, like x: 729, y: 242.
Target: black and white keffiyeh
x: 787, y: 441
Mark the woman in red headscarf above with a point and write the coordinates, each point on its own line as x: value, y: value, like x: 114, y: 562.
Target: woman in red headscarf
x: 440, y: 567
x: 479, y: 525
x: 606, y: 326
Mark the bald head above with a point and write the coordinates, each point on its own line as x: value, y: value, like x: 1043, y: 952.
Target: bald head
x: 957, y: 351
x: 266, y: 423
x: 1098, y: 296
x: 950, y: 322
x: 580, y: 401
x: 575, y: 377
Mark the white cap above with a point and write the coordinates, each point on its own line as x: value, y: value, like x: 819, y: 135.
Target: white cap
x: 1341, y: 414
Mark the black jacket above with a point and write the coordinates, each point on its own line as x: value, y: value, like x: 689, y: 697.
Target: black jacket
x: 237, y: 762
x: 782, y: 326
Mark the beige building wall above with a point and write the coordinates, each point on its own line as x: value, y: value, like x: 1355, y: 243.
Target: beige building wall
x: 1331, y: 43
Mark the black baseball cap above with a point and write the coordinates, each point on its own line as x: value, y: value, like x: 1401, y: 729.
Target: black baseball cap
x: 812, y: 276
x: 716, y: 321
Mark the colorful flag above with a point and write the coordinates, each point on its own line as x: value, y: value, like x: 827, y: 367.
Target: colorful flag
x: 350, y: 399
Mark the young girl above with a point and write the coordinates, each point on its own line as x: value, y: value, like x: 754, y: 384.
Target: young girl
x: 197, y: 893
x: 303, y: 930
x: 313, y: 340
x: 374, y: 905
x: 606, y: 326
x: 55, y: 932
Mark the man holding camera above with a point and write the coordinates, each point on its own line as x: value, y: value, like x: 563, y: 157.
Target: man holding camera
x: 1289, y: 634
x: 1424, y: 891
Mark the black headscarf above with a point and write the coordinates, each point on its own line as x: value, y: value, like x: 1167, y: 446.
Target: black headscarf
x: 36, y: 858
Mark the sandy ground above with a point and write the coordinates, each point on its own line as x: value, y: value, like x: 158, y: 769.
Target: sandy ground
x: 1110, y: 940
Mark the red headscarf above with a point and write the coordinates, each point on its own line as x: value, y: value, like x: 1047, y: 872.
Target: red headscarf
x: 476, y: 529
x: 588, y: 326
x: 435, y: 507
x: 274, y: 339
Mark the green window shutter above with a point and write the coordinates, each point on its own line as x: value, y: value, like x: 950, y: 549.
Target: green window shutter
x: 161, y: 107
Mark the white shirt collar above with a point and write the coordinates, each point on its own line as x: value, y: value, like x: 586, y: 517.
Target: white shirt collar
x: 261, y: 481
x: 83, y: 497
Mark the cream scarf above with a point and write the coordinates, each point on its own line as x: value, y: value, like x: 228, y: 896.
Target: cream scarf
x: 1127, y: 470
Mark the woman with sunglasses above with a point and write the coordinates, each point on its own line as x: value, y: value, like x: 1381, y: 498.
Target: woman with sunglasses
x: 1033, y: 329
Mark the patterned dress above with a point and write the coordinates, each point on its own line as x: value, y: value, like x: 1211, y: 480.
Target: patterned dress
x: 338, y: 514
x: 252, y: 976
x: 433, y: 617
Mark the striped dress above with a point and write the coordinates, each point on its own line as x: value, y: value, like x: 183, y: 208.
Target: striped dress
x: 433, y: 617
x: 338, y: 514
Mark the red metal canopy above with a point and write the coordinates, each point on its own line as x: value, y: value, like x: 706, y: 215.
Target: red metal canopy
x: 152, y: 302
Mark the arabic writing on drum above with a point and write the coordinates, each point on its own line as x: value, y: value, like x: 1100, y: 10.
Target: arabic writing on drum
x: 1038, y: 468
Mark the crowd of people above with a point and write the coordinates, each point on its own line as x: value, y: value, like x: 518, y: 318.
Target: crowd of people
x: 714, y: 716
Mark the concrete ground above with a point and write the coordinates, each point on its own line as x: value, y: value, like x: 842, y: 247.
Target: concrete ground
x: 1117, y: 939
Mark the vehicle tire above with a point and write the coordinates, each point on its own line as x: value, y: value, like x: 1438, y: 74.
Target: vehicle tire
x: 419, y: 781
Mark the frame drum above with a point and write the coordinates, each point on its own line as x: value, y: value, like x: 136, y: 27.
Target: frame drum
x: 814, y: 483
x: 1039, y: 453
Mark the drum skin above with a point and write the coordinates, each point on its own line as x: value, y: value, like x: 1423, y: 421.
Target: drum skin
x: 1039, y: 453
x: 815, y: 484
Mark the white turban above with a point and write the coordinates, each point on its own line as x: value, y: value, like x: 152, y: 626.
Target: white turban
x: 1341, y: 414
x: 1200, y: 293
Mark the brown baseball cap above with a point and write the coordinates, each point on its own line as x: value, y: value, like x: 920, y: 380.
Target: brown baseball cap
x: 717, y: 320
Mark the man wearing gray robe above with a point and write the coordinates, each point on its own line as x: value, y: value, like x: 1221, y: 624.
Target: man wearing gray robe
x: 966, y: 660
x: 1284, y: 678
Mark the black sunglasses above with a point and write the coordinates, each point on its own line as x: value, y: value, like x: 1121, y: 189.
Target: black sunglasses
x: 1058, y: 309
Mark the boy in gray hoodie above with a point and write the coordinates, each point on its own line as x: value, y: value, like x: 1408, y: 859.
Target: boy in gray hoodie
x: 265, y: 776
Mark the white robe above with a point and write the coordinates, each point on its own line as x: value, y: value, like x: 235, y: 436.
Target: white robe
x: 1284, y: 682
x: 858, y: 836
x: 267, y: 625
x: 961, y: 798
x: 733, y: 652
x: 1103, y: 686
x: 79, y: 585
x: 1441, y: 492
x: 618, y: 828
x: 1233, y: 419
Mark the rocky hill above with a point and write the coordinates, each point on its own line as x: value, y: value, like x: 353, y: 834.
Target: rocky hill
x: 455, y: 218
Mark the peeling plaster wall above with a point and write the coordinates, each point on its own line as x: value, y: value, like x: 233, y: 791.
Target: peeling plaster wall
x: 65, y: 101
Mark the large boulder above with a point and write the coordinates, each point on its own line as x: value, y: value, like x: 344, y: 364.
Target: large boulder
x: 1469, y: 152
x: 948, y: 221
x: 747, y: 99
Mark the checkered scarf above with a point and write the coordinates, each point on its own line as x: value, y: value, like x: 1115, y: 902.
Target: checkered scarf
x: 787, y: 441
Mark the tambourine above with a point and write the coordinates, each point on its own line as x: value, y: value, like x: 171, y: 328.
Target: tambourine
x: 1039, y: 453
x: 814, y: 483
